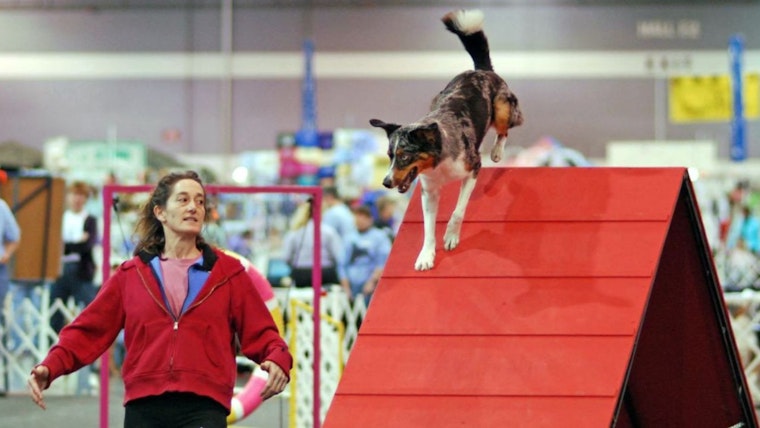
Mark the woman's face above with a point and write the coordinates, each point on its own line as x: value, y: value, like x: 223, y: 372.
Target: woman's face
x: 185, y: 210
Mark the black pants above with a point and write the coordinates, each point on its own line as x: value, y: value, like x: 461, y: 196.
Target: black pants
x: 302, y: 276
x: 70, y: 285
x: 175, y: 410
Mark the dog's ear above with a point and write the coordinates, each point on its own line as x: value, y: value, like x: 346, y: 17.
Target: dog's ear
x: 428, y: 133
x: 389, y: 127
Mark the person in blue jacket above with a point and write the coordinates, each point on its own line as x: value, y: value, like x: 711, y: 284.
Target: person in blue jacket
x: 366, y: 254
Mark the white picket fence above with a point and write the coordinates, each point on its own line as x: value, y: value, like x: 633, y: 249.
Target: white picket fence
x: 340, y: 320
x: 744, y: 308
x: 26, y: 337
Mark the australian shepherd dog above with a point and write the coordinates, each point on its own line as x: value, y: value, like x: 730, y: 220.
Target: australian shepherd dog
x: 444, y: 145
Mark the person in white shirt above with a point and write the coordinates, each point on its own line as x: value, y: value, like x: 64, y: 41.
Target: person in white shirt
x: 80, y: 235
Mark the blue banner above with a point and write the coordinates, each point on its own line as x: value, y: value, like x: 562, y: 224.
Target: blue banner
x: 307, y: 135
x: 738, y: 150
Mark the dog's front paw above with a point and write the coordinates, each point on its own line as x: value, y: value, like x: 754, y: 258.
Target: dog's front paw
x: 425, y: 260
x: 450, y: 241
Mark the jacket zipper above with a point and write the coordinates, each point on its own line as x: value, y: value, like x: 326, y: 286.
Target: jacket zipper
x: 168, y: 312
x: 176, y: 324
x: 174, y: 341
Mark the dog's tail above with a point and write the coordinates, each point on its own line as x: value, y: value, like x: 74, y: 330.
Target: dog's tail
x: 468, y: 25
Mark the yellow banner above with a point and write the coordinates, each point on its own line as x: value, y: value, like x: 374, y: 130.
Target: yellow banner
x: 709, y: 98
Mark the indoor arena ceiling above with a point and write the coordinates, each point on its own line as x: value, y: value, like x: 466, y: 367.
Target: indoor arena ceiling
x: 148, y: 4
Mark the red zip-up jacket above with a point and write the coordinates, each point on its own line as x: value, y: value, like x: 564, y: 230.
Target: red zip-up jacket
x: 194, y: 353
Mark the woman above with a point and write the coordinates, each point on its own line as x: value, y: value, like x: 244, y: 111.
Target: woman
x: 298, y: 248
x: 182, y: 305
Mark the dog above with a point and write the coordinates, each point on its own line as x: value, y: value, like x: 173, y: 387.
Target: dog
x: 444, y: 145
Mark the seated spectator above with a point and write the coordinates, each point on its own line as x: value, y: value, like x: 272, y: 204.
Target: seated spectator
x: 366, y: 254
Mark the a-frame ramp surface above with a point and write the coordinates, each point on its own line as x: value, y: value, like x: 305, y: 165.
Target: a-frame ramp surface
x: 578, y: 297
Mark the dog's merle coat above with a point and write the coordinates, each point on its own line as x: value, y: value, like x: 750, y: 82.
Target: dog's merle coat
x: 444, y: 145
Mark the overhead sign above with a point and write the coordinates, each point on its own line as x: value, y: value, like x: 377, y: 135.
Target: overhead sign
x: 709, y: 98
x: 668, y: 29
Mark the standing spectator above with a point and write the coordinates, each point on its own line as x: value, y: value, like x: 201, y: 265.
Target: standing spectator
x: 80, y: 235
x: 745, y: 228
x: 336, y: 213
x: 214, y: 232
x: 298, y: 249
x: 10, y: 235
x: 751, y: 230
x: 366, y: 254
x: 242, y: 244
x: 183, y: 306
x: 123, y: 240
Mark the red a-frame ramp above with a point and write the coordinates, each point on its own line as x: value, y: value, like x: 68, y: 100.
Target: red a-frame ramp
x: 578, y: 297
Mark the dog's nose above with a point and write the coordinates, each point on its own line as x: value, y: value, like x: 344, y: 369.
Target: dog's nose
x: 387, y: 182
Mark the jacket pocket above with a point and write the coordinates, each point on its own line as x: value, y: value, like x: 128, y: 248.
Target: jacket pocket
x: 147, y: 349
x: 203, y: 343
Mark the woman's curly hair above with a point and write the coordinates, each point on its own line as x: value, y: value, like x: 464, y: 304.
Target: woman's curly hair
x: 149, y: 229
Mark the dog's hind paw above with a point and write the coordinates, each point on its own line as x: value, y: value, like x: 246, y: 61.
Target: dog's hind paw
x: 425, y: 260
x: 451, y: 237
x: 496, y: 154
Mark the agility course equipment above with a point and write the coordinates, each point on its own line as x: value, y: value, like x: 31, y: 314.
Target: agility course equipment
x: 247, y: 400
x: 36, y: 200
x: 578, y: 297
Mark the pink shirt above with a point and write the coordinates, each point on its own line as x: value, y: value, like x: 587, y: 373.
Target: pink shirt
x: 174, y: 273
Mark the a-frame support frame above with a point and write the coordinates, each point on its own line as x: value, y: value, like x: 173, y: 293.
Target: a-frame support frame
x: 685, y: 370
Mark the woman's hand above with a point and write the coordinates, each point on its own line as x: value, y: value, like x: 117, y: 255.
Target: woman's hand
x: 38, y: 381
x: 276, y: 382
